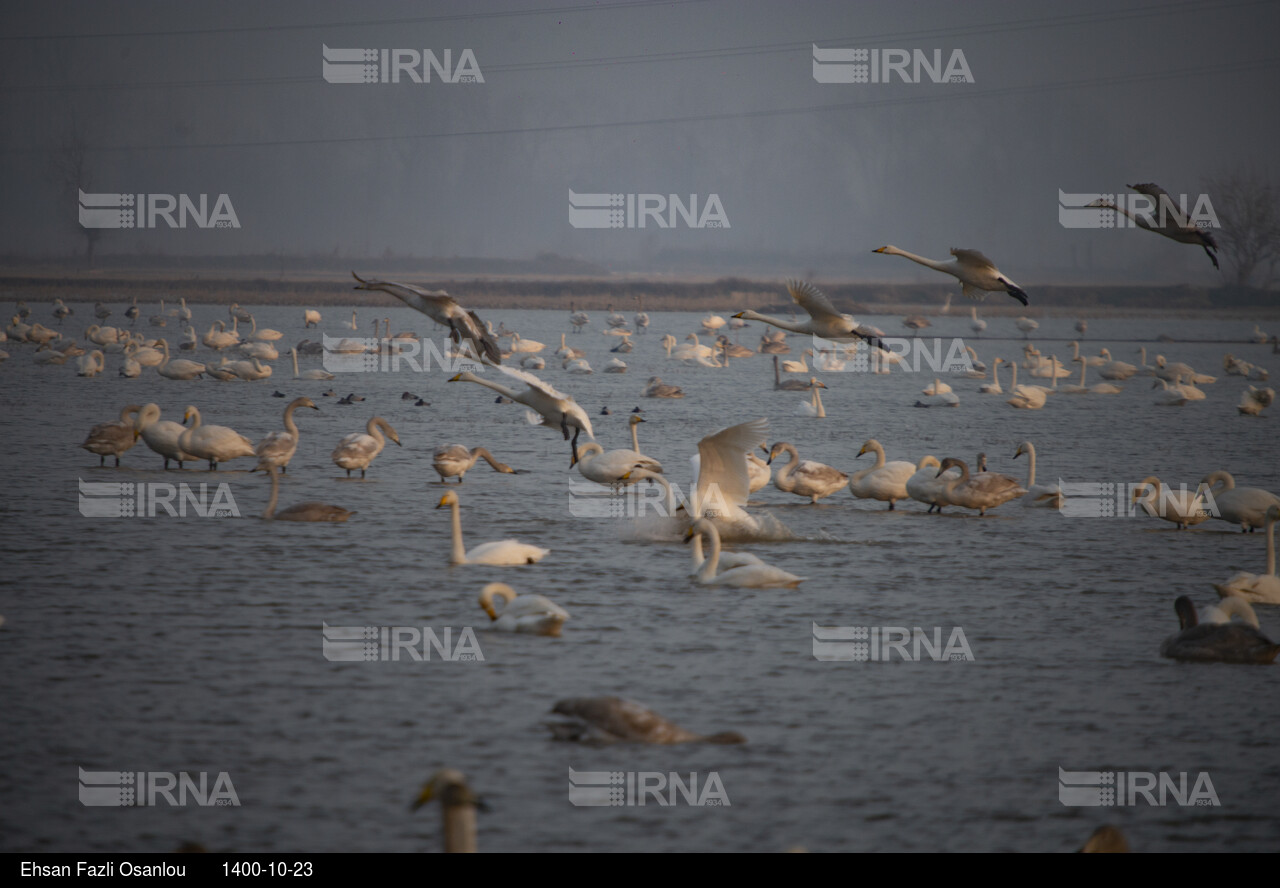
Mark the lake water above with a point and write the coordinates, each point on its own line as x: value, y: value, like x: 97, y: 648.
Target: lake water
x: 194, y: 644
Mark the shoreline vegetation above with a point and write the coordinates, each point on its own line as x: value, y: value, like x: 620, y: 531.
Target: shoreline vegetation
x: 595, y: 290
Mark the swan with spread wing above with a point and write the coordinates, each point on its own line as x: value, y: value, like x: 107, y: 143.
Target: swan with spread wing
x: 444, y: 310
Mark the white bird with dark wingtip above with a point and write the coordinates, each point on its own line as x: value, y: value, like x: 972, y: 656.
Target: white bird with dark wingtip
x: 1166, y: 218
x: 558, y: 410
x: 977, y: 274
x: 823, y: 318
x: 444, y: 310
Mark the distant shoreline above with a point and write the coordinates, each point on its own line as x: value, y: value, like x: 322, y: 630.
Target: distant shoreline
x: 596, y: 293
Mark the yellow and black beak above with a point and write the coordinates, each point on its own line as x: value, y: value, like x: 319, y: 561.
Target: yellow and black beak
x: 427, y: 794
x: 455, y: 378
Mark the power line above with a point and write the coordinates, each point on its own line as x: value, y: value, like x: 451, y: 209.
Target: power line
x: 462, y: 16
x: 950, y: 95
x: 687, y: 55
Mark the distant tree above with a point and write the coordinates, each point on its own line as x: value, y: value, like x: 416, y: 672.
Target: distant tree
x: 1247, y: 204
x: 71, y: 171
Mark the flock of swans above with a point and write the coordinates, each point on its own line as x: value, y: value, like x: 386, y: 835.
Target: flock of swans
x: 731, y: 464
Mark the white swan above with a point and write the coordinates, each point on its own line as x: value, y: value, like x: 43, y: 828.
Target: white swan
x: 214, y: 443
x: 927, y: 486
x: 805, y: 478
x: 656, y: 388
x: 977, y: 274
x: 178, y: 368
x: 723, y: 482
x: 758, y: 472
x: 795, y: 366
x: 219, y: 338
x: 1255, y: 400
x: 993, y: 387
x: 312, y: 511
x: 263, y: 351
x: 357, y: 450
x: 1045, y: 496
x: 1168, y: 396
x: 266, y: 334
x: 578, y: 319
x: 310, y: 318
x: 310, y: 374
x: 823, y: 320
x: 1027, y: 326
x: 454, y: 461
x: 728, y: 560
x: 504, y: 553
x: 1262, y: 588
x: 1245, y: 506
x: 558, y: 410
x: 1117, y: 370
x: 161, y: 435
x: 525, y: 346
x: 937, y: 387
x: 611, y: 467
x: 1169, y: 219
x: 983, y: 491
x: 1091, y: 360
x: 91, y: 364
x: 1185, y: 508
x: 976, y: 324
x: 813, y: 407
x: 277, y: 448
x: 529, y: 614
x: 1171, y: 372
x: 756, y: 575
x: 886, y: 482
x: 1026, y: 397
x: 444, y: 310
x: 112, y: 438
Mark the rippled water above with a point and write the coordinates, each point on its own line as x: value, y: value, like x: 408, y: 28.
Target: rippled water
x: 194, y: 644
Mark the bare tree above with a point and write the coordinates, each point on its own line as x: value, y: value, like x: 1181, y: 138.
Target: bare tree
x: 71, y: 171
x: 1247, y: 204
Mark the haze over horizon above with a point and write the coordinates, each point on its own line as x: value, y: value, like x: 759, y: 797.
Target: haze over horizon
x: 684, y: 97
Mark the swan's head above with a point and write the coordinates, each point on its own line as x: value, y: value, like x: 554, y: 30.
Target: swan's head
x: 950, y: 462
x: 773, y: 452
x: 1146, y: 489
x: 1272, y: 514
x: 489, y: 592
x: 814, y: 383
x: 1024, y: 447
x: 465, y: 376
x: 889, y: 249
x: 449, y: 499
x: 1106, y: 840
x: 1160, y: 362
x: 449, y: 786
x: 304, y: 402
x: 868, y: 446
x: 1186, y: 612
x: 635, y: 418
x: 582, y: 450
x: 701, y: 526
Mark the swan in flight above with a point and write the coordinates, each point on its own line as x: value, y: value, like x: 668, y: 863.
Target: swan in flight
x: 977, y: 274
x: 1045, y: 496
x: 986, y: 490
x: 1185, y: 508
x: 1262, y: 588
x: 1220, y: 641
x: 504, y: 553
x: 813, y: 407
x: 215, y: 443
x: 277, y: 448
x: 656, y: 388
x: 805, y: 478
x: 302, y: 511
x: 1245, y: 506
x: 310, y: 374
x: 112, y: 438
x: 756, y: 575
x: 993, y: 387
x: 558, y: 410
x: 604, y: 720
x: 444, y: 310
x: 886, y: 482
x: 530, y: 614
x: 454, y: 461
x: 823, y: 320
x: 161, y: 435
x: 1169, y: 219
x: 357, y: 450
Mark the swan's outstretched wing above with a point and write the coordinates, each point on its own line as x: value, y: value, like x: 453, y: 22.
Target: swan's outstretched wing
x: 443, y: 309
x: 1166, y: 208
x: 812, y: 300
x: 722, y: 465
x: 972, y: 258
x: 1152, y: 190
x: 533, y: 382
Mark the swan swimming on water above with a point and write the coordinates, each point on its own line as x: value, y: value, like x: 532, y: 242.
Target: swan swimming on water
x: 1045, y: 496
x: 529, y: 614
x: 1245, y: 506
x: 1260, y: 588
x: 313, y: 511
x: 1222, y: 640
x: 984, y: 491
x: 503, y: 553
x: 752, y: 575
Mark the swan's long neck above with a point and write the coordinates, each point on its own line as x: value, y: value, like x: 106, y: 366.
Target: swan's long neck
x: 995, y: 374
x: 295, y: 363
x: 928, y: 263
x: 457, y: 552
x: 481, y: 453
x: 635, y: 439
x: 270, y: 511
x: 195, y: 419
x: 776, y: 322
x: 1083, y: 369
x: 698, y: 558
x: 372, y: 430
x: 1031, y: 467
x: 784, y: 473
x: 289, y: 424
x: 711, y: 566
x: 500, y: 389
x: 777, y: 375
x: 879, y: 452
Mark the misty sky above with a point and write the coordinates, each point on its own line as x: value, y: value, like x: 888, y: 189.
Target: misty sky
x: 709, y: 96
